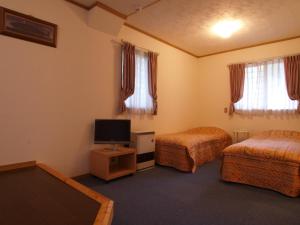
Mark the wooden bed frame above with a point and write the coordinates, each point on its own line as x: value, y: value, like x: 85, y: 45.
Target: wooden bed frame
x: 269, y: 159
x: 264, y: 173
x: 105, y: 213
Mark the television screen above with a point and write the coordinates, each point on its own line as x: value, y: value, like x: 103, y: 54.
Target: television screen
x: 112, y: 131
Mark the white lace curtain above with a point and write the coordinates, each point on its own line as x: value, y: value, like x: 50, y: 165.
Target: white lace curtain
x: 265, y: 89
x: 141, y: 101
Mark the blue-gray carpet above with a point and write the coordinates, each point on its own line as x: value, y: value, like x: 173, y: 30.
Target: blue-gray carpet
x: 165, y: 196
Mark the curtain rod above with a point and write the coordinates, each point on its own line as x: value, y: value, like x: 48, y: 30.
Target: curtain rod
x: 264, y: 59
x: 138, y: 47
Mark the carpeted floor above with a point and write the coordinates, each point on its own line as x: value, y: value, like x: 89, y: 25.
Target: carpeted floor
x: 164, y: 196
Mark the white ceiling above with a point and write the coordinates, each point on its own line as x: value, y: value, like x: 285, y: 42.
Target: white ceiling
x: 187, y: 23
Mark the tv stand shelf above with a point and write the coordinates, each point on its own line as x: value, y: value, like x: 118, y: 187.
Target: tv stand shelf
x: 110, y: 164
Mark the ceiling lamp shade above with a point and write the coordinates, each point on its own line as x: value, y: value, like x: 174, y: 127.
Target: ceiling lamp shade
x: 225, y: 28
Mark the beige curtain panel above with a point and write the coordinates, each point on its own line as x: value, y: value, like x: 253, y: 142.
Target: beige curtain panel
x: 292, y: 76
x: 237, y: 79
x: 152, y: 79
x: 128, y: 74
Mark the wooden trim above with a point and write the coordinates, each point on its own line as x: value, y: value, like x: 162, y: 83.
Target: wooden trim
x: 79, y: 4
x: 158, y: 38
x: 17, y: 166
x: 104, y: 216
x: 108, y: 9
x: 251, y: 46
x: 145, y: 7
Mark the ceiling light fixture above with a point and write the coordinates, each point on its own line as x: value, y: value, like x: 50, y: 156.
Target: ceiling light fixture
x: 225, y: 28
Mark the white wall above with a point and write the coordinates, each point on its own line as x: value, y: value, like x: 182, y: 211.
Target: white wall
x: 214, y: 92
x: 49, y: 97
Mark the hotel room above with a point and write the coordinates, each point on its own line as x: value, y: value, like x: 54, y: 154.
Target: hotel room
x: 148, y: 112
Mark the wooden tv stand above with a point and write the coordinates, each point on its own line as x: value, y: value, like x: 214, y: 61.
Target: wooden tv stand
x: 109, y: 164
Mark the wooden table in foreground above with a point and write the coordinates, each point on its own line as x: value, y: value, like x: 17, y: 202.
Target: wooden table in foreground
x: 34, y: 194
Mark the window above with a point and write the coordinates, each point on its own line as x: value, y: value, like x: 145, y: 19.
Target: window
x: 265, y: 88
x: 140, y: 101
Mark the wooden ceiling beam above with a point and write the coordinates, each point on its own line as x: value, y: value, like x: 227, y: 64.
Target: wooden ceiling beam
x: 250, y: 46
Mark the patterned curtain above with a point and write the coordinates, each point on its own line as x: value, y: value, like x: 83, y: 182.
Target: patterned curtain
x: 292, y: 76
x: 141, y: 101
x: 152, y: 76
x: 128, y: 74
x: 237, y: 79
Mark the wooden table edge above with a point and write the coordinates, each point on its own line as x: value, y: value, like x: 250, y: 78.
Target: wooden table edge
x: 105, y: 213
x: 16, y: 166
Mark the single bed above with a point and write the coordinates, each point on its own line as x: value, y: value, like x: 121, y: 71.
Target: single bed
x: 189, y: 149
x: 35, y: 194
x: 269, y: 160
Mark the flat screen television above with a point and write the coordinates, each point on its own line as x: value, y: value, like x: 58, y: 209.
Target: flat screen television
x: 109, y: 131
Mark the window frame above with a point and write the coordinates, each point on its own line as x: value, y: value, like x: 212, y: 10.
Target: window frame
x: 129, y: 102
x: 264, y: 67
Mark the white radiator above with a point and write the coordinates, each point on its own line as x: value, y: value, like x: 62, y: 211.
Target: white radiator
x: 144, y: 143
x: 240, y: 135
